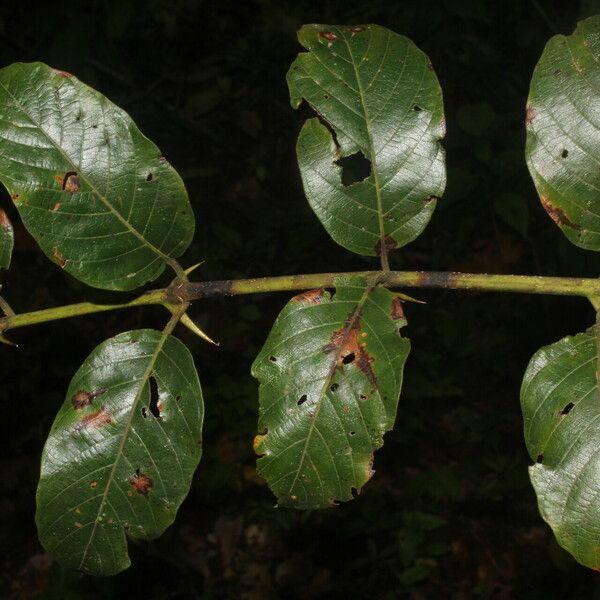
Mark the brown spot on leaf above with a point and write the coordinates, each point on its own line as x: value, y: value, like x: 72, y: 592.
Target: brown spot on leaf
x: 81, y: 398
x: 429, y: 66
x: 60, y: 259
x: 71, y: 182
x: 328, y: 35
x: 430, y: 198
x: 370, y: 470
x: 389, y: 243
x: 397, y: 310
x: 310, y: 297
x: 141, y: 482
x: 78, y: 525
x: 357, y: 29
x: 59, y: 179
x: 93, y: 484
x: 95, y: 420
x: 345, y: 342
x: 530, y: 115
x: 258, y: 440
x: 63, y: 73
x: 5, y: 221
x: 557, y: 214
x: 14, y: 196
x: 56, y: 207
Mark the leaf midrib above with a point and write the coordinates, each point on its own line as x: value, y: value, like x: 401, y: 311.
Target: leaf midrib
x: 77, y: 168
x: 351, y: 322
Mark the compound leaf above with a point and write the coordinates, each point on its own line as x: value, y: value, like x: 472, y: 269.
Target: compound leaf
x: 330, y: 374
x: 563, y: 132
x: 95, y: 193
x: 561, y: 411
x: 122, y: 451
x: 377, y: 95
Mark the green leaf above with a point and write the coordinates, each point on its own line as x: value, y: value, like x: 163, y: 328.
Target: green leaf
x: 378, y: 94
x: 95, y: 193
x: 330, y: 374
x: 563, y: 132
x: 122, y: 451
x: 6, y: 240
x: 561, y: 411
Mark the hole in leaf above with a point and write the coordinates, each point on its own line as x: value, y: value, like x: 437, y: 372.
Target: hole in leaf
x: 353, y: 433
x: 540, y: 459
x: 348, y: 358
x: 362, y: 397
x: 302, y: 400
x: 150, y: 177
x: 272, y: 358
x: 567, y: 409
x: 334, y: 387
x: 154, y: 396
x: 178, y: 397
x: 417, y: 108
x: 564, y: 153
x: 144, y: 412
x: 355, y: 168
x: 354, y: 492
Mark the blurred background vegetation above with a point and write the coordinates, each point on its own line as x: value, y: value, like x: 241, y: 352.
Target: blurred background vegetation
x: 450, y: 513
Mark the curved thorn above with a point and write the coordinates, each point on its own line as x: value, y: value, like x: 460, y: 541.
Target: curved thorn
x: 194, y: 267
x: 185, y: 320
x: 407, y: 298
x: 5, y: 340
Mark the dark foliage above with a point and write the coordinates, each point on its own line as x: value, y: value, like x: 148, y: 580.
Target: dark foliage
x: 451, y: 513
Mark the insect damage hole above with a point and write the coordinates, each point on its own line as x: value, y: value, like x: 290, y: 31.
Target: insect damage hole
x: 302, y: 400
x: 539, y: 459
x: 154, y: 396
x: 355, y: 168
x: 564, y: 153
x: 348, y: 358
x: 567, y: 409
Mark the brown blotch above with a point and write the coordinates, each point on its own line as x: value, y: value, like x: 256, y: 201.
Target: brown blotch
x: 60, y: 259
x: 15, y: 196
x: 78, y: 525
x: 389, y: 243
x: 310, y: 297
x: 557, y: 214
x: 60, y: 180
x: 345, y: 342
x: 141, y: 482
x: 63, y: 73
x: 357, y: 29
x: 430, y: 198
x: 56, y: 207
x: 71, y: 182
x: 95, y: 420
x: 530, y: 115
x: 81, y: 398
x: 370, y: 470
x: 93, y: 484
x: 397, y: 310
x: 429, y: 66
x: 328, y: 35
x: 5, y: 221
x: 257, y: 441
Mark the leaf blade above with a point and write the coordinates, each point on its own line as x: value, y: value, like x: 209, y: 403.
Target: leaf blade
x: 563, y: 136
x: 90, y: 187
x: 561, y: 410
x: 331, y: 392
x: 92, y: 504
x: 362, y: 104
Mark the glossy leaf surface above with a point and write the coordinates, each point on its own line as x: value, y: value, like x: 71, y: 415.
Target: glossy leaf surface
x: 95, y: 193
x: 122, y: 451
x: 561, y: 411
x: 330, y: 375
x: 6, y: 240
x: 563, y: 132
x: 376, y: 93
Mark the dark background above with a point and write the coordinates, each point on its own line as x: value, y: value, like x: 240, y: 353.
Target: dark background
x: 450, y: 513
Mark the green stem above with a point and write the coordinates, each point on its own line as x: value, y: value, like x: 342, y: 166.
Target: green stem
x: 185, y: 292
